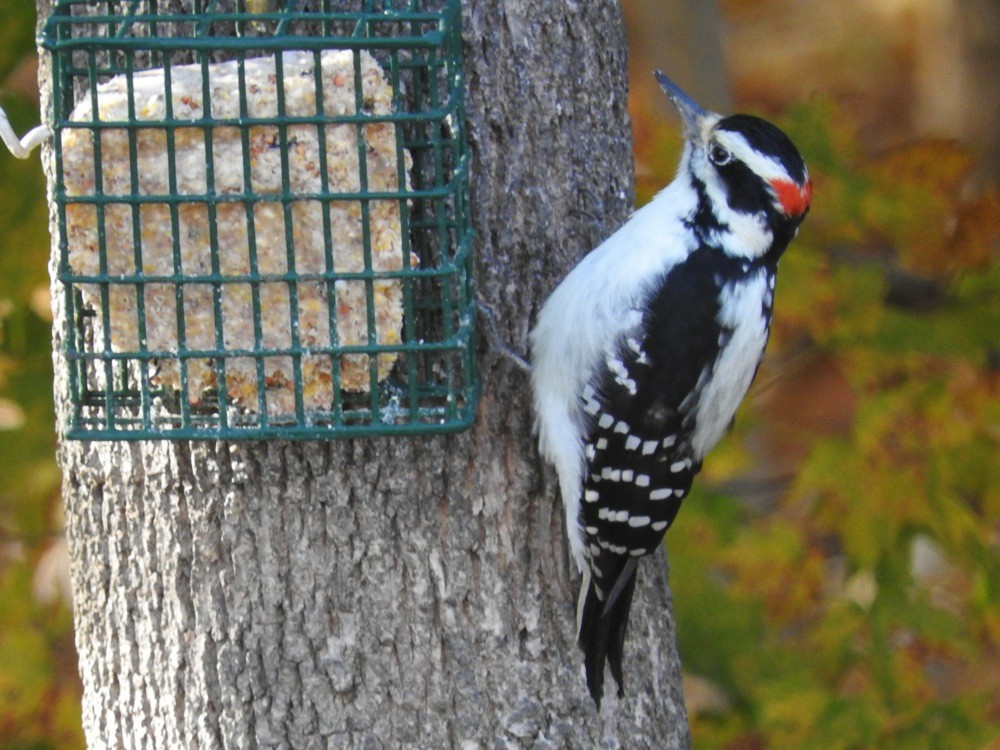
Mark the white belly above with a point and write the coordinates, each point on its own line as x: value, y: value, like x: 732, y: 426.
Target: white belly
x: 741, y: 312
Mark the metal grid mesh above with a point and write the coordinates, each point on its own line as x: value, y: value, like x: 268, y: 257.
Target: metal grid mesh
x: 259, y: 368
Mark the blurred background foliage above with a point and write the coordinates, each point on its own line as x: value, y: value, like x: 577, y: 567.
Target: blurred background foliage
x: 836, y: 576
x: 39, y: 686
x: 836, y: 571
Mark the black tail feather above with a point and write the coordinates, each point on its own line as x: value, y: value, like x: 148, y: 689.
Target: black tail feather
x: 593, y: 641
x: 603, y: 625
x: 619, y: 624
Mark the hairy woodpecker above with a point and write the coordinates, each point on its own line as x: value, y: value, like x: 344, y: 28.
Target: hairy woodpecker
x: 644, y: 351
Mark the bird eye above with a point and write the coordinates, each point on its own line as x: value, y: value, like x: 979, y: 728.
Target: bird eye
x: 719, y: 156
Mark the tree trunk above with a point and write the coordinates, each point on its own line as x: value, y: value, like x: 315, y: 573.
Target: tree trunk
x: 386, y: 592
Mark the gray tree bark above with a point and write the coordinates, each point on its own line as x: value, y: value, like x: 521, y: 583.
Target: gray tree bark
x: 386, y: 593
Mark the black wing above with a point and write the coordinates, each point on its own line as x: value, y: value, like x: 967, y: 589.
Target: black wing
x: 639, y: 456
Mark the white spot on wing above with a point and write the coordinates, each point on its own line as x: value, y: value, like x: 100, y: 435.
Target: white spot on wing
x: 613, y: 475
x: 617, y: 367
x: 564, y: 367
x: 634, y: 318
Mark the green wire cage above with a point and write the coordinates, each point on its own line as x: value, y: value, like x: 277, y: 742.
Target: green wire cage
x: 263, y: 217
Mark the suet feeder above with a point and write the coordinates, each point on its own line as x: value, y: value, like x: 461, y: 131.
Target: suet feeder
x: 263, y: 218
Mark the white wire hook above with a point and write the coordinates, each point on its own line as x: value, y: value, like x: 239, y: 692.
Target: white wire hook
x: 21, y: 148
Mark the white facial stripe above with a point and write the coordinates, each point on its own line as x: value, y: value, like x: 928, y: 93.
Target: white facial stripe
x: 748, y: 235
x: 766, y: 167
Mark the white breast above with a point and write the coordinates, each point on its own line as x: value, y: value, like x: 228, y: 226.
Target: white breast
x: 741, y: 312
x: 582, y: 323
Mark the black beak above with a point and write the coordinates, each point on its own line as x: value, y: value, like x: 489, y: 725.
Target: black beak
x: 690, y: 112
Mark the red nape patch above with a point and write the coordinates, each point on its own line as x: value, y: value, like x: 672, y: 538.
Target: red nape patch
x: 794, y: 199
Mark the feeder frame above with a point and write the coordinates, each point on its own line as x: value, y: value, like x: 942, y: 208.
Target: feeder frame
x: 433, y: 386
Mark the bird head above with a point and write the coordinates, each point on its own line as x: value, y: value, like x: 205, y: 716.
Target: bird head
x: 749, y: 169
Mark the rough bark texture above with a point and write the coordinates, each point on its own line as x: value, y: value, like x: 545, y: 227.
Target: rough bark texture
x: 387, y: 593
